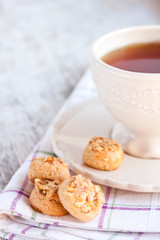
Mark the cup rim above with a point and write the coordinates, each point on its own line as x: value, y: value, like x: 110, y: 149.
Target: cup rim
x: 118, y: 70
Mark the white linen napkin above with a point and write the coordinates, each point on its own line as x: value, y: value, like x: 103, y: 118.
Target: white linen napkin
x: 124, y: 215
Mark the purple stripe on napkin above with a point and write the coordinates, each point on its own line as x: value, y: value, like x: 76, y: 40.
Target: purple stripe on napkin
x: 14, y: 202
x: 55, y: 224
x: 130, y: 208
x: 12, y: 236
x: 103, y: 211
x: 138, y: 236
x: 17, y: 191
x: 19, y: 215
x: 26, y: 229
x: 46, y: 226
x: 24, y: 184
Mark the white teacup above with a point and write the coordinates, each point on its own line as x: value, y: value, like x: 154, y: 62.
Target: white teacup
x: 132, y: 98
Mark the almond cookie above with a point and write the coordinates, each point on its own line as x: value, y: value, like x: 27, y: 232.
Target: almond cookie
x: 49, y: 168
x: 81, y: 197
x: 103, y: 153
x: 44, y: 198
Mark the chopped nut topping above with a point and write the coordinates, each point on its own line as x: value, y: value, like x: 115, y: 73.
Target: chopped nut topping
x: 89, y: 199
x: 46, y: 187
x: 84, y: 193
x: 86, y: 208
x: 97, y: 188
x: 37, y: 158
x: 43, y: 192
x: 102, y: 145
x: 49, y: 159
x: 39, y: 182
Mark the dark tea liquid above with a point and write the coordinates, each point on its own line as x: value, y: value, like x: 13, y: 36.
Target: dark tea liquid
x: 143, y: 58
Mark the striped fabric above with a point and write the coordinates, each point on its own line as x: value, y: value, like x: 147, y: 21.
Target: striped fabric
x: 124, y: 215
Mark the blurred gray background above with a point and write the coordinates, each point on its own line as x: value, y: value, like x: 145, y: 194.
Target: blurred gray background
x: 44, y: 51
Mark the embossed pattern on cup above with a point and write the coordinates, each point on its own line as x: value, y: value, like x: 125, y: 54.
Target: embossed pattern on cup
x: 132, y: 98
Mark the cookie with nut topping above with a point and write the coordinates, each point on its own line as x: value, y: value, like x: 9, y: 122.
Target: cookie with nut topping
x: 103, y: 153
x: 81, y: 197
x: 44, y: 198
x: 49, y: 168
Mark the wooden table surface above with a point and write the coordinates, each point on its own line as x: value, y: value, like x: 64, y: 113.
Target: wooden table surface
x: 44, y: 46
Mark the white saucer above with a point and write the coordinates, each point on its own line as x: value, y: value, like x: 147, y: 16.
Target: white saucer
x: 71, y: 133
